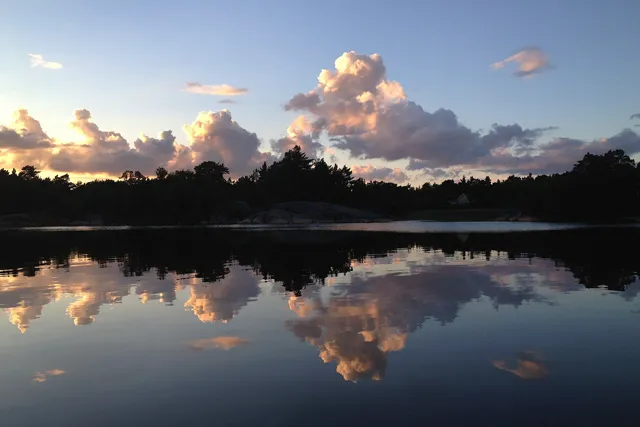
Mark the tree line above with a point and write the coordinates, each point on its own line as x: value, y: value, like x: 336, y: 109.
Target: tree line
x: 598, y: 187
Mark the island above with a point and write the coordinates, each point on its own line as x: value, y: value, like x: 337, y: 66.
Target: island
x: 297, y: 189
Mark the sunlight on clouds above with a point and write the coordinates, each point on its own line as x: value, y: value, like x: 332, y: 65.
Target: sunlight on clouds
x: 222, y: 300
x: 216, y: 136
x: 371, y: 173
x: 223, y: 89
x: 369, y: 116
x: 530, y: 61
x: 301, y: 133
x: 364, y: 114
x: 528, y: 366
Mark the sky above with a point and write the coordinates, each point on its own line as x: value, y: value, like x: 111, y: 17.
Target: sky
x: 413, y: 92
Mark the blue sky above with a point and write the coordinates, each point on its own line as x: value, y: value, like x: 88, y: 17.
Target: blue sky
x: 127, y: 62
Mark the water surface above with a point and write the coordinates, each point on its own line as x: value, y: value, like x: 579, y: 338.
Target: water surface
x: 168, y: 327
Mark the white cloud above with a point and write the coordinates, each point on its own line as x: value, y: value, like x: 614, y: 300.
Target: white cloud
x: 368, y: 115
x: 223, y: 89
x: 39, y: 61
x: 216, y: 136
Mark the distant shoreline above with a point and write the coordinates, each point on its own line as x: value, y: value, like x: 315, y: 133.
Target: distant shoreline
x: 312, y: 214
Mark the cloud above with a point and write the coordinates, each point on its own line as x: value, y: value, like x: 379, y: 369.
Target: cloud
x: 635, y: 116
x: 38, y: 61
x: 22, y: 313
x: 530, y: 61
x: 226, y: 101
x: 41, y: 377
x: 109, y: 152
x: 370, y: 117
x: 528, y: 366
x: 222, y: 300
x: 560, y: 154
x: 224, y: 343
x: 216, y: 136
x: 223, y: 89
x: 374, y: 315
x: 91, y: 286
x: 301, y: 133
x: 24, y: 142
x: 25, y: 133
x: 371, y: 173
x: 423, y: 166
x: 212, y: 136
x: 355, y: 105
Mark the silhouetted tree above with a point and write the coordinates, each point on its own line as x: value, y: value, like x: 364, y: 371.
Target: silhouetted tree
x: 599, y: 188
x: 211, y: 170
x: 29, y: 173
x: 161, y: 173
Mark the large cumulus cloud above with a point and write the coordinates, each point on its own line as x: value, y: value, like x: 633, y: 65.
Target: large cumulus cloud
x: 216, y: 136
x: 370, y: 116
x: 109, y: 152
x: 212, y: 136
x: 361, y: 111
x: 24, y: 141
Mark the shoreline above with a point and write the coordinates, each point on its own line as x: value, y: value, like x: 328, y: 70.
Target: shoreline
x: 281, y: 217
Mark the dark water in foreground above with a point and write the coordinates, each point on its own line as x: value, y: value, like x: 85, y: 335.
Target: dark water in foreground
x: 194, y: 327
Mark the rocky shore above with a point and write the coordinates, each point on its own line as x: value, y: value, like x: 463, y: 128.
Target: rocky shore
x: 310, y: 213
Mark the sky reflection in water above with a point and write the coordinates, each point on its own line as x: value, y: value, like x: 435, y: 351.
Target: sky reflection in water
x: 281, y: 328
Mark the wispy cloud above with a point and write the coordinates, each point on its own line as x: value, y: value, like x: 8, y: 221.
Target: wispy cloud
x: 226, y: 101
x: 529, y: 366
x: 530, y: 61
x: 41, y: 377
x: 223, y: 89
x: 39, y: 61
x: 635, y: 116
x: 225, y: 343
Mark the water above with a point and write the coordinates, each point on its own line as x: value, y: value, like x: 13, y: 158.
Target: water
x: 186, y: 327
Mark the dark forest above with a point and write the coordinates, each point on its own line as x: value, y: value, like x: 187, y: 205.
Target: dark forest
x: 602, y: 187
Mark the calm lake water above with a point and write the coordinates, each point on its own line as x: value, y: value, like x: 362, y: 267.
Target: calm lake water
x: 225, y: 327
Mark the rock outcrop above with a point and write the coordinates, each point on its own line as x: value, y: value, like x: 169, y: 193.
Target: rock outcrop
x: 300, y: 213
